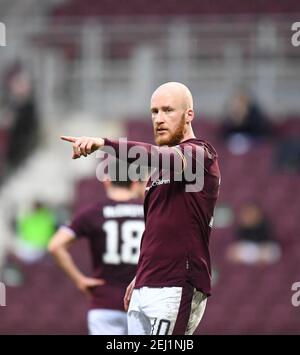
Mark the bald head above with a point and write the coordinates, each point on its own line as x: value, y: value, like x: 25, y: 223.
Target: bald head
x: 172, y: 114
x: 179, y: 92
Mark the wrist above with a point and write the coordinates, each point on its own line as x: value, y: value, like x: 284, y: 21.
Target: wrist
x: 79, y: 279
x: 100, y: 142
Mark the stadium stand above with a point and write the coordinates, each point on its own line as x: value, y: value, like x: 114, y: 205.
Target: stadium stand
x: 170, y: 7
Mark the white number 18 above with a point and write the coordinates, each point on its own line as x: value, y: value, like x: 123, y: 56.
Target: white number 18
x: 131, y: 234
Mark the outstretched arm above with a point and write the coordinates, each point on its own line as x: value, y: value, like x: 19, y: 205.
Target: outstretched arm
x: 152, y: 155
x: 58, y: 247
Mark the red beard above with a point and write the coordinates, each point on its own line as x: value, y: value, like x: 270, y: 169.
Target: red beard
x: 171, y: 139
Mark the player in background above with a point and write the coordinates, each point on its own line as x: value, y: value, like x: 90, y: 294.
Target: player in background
x: 113, y: 228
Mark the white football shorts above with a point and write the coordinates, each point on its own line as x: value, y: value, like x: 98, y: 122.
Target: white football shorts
x: 165, y: 310
x: 107, y: 322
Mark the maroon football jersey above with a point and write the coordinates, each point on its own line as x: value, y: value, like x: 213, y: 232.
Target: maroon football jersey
x: 114, y: 230
x: 175, y: 244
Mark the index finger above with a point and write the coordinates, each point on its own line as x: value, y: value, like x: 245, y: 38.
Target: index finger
x: 68, y: 139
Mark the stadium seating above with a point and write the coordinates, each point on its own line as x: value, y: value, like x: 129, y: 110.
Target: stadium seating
x: 76, y: 8
x: 48, y: 303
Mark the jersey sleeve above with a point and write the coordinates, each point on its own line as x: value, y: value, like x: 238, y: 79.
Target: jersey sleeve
x: 145, y: 154
x: 79, y: 224
x: 196, y: 156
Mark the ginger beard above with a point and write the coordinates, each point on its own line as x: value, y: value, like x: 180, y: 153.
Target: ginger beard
x: 170, y: 137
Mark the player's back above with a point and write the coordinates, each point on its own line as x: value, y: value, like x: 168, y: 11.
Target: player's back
x: 113, y: 230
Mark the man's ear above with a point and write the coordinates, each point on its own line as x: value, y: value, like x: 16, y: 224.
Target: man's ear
x: 189, y: 116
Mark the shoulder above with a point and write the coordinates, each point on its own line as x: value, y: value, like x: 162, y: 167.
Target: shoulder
x: 89, y: 210
x: 198, y: 147
x: 86, y: 219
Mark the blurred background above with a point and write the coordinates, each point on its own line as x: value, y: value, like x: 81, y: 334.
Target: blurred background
x: 88, y: 67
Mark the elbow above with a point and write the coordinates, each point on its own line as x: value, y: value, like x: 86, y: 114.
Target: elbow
x: 59, y: 243
x: 52, y: 247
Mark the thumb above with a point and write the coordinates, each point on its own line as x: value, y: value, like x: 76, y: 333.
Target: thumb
x: 97, y: 282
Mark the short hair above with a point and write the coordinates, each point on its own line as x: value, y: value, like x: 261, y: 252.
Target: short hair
x: 118, y: 173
